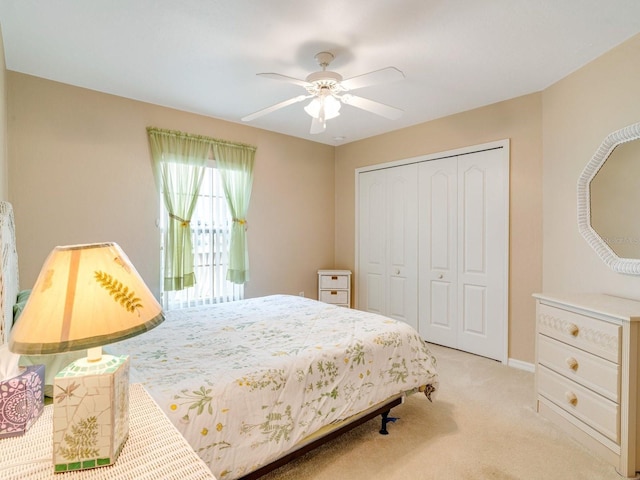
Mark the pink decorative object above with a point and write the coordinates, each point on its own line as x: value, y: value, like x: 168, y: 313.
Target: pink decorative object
x: 21, y: 401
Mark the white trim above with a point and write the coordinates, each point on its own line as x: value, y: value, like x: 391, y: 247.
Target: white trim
x: 520, y: 365
x: 622, y: 265
x: 435, y: 156
x: 504, y: 144
x: 507, y: 193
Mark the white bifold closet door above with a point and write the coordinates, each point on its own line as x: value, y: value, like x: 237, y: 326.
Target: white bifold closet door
x: 388, y: 259
x: 433, y: 246
x: 463, y: 252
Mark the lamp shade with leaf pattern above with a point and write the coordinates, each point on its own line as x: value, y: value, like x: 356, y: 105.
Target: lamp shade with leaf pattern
x: 87, y: 296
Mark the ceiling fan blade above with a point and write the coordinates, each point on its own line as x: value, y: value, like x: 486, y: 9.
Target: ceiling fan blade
x: 317, y: 126
x: 384, y: 75
x: 285, y: 78
x: 275, y: 107
x: 378, y: 108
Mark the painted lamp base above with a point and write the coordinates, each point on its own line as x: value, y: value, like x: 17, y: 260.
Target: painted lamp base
x: 90, y: 413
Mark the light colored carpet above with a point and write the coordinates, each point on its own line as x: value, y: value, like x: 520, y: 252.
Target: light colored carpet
x: 481, y: 426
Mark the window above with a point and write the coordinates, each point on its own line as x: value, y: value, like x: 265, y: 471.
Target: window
x: 211, y: 231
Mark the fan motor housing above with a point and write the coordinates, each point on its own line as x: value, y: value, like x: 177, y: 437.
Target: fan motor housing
x: 324, y: 80
x: 324, y: 76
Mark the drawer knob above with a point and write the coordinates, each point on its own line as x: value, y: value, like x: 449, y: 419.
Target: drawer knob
x: 573, y: 329
x: 571, y: 398
x: 572, y: 363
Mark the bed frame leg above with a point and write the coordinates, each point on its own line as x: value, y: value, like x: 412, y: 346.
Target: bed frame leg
x: 386, y: 419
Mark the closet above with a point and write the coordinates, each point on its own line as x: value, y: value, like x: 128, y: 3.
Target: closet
x: 432, y: 245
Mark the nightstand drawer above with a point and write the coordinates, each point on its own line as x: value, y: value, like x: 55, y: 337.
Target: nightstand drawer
x: 598, y: 374
x: 334, y: 281
x: 589, y: 407
x: 335, y: 296
x: 586, y: 333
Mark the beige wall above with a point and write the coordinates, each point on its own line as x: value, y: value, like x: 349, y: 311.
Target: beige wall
x: 4, y: 163
x: 578, y: 113
x: 80, y: 172
x: 518, y: 120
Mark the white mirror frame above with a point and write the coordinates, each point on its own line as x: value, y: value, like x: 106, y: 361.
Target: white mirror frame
x: 622, y: 265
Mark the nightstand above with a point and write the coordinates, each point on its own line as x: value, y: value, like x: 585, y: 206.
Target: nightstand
x: 334, y: 286
x: 154, y: 450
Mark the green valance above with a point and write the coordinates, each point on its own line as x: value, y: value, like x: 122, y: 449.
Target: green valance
x: 210, y: 140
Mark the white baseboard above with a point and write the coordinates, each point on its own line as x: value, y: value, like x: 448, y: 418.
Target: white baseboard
x: 519, y: 364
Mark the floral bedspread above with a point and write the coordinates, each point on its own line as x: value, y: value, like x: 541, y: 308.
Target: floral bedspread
x: 244, y: 381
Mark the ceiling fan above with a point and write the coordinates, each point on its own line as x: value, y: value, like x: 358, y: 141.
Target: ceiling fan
x: 329, y: 91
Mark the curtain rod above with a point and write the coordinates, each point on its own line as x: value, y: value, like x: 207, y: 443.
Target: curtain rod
x: 177, y: 133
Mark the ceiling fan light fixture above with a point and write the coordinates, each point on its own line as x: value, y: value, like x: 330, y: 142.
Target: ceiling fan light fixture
x: 331, y: 107
x: 328, y: 90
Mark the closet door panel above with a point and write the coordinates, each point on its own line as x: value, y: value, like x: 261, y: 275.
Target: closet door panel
x: 402, y: 233
x: 397, y: 299
x: 372, y: 246
x: 387, y: 256
x: 440, y: 310
x: 473, y: 219
x: 482, y: 245
x: 474, y: 311
x: 373, y: 293
x: 437, y: 181
x: 442, y: 232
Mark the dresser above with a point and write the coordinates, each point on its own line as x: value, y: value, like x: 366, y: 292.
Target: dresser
x: 587, y: 372
x: 334, y: 286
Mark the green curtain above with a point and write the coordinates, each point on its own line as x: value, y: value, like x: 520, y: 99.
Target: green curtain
x: 179, y: 165
x: 235, y: 163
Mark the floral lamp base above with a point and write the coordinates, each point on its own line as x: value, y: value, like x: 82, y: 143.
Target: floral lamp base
x: 91, y: 413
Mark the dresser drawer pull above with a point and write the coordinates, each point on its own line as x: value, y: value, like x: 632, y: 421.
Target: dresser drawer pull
x: 334, y: 278
x: 573, y: 329
x: 572, y: 363
x: 571, y: 398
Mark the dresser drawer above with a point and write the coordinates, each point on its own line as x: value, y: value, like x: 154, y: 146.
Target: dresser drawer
x: 334, y: 281
x: 589, y: 407
x: 338, y: 297
x: 595, y: 373
x: 586, y: 333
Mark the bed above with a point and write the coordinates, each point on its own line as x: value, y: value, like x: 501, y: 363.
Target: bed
x: 253, y: 383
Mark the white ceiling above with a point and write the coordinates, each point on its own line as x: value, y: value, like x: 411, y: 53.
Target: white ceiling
x: 202, y: 56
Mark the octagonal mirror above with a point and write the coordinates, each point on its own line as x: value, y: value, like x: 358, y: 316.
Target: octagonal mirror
x: 609, y: 200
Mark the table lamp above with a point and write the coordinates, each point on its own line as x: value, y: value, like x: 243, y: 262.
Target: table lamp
x: 87, y: 296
